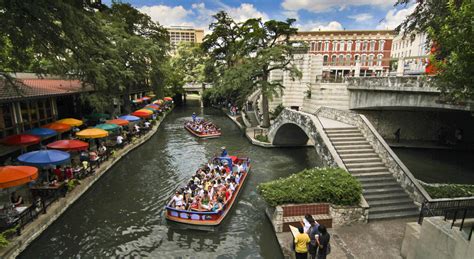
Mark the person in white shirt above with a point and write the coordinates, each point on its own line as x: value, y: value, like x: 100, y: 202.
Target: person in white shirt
x: 119, y: 140
x: 178, y: 201
x: 147, y: 124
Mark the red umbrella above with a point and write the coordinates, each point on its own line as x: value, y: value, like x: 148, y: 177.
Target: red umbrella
x: 68, y: 145
x: 21, y: 139
x: 59, y: 127
x: 168, y: 99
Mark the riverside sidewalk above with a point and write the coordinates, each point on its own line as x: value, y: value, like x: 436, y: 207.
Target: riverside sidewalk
x: 31, y: 231
x: 377, y: 239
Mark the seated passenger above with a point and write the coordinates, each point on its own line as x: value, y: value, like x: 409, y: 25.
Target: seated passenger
x: 16, y: 200
x: 177, y: 201
x: 218, y: 205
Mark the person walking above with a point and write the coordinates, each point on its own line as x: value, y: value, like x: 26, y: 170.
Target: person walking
x: 313, y: 233
x: 301, y: 244
x: 324, y: 248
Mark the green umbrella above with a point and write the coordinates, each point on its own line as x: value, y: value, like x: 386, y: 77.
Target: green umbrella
x: 107, y: 127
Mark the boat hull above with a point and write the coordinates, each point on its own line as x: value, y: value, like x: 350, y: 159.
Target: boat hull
x: 207, y: 136
x: 206, y: 220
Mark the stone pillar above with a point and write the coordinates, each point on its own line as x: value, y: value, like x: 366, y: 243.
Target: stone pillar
x: 401, y: 67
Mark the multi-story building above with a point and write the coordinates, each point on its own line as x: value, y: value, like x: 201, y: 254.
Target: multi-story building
x: 350, y: 53
x: 185, y: 34
x: 411, y: 55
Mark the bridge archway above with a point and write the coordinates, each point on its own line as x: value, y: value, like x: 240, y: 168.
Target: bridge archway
x: 290, y: 134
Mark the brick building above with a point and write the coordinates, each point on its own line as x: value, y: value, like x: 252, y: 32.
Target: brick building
x: 350, y: 53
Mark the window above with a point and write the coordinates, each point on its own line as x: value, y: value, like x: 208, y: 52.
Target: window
x: 372, y: 45
x: 348, y: 60
x: 349, y: 45
x: 379, y: 59
x: 364, y: 60
x: 381, y: 45
x: 357, y: 45
x: 371, y: 59
x: 341, y: 60
x: 334, y: 45
x: 342, y: 45
x: 6, y: 120
x: 313, y: 48
x: 320, y: 46
x: 364, y: 46
x: 325, y: 59
x: 326, y: 46
x: 357, y: 59
x: 333, y: 59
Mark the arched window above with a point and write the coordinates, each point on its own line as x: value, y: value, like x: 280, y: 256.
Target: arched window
x: 357, y: 59
x: 348, y: 59
x: 341, y: 60
x: 364, y: 60
x: 333, y: 59
x: 379, y: 59
x: 325, y: 59
x: 381, y: 45
x: 349, y: 46
x: 357, y: 45
x: 372, y: 45
x: 371, y: 59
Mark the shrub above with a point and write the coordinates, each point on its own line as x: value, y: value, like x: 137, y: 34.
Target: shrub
x: 277, y: 111
x: 449, y: 190
x: 71, y: 184
x: 332, y: 185
x: 262, y: 138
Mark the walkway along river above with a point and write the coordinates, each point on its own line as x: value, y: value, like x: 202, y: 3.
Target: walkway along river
x: 122, y: 214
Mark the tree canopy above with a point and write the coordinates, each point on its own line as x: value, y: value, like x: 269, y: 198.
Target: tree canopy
x: 449, y: 25
x: 244, y: 55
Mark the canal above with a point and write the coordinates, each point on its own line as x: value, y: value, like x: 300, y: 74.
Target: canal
x: 121, y: 215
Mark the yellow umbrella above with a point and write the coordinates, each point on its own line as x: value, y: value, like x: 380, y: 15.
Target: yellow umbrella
x: 71, y: 122
x: 92, y: 133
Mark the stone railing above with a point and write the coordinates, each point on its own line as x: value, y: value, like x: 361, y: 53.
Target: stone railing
x: 391, y: 160
x: 314, y: 129
x: 401, y: 83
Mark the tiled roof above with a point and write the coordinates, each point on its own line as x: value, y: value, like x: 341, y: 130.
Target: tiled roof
x: 31, y: 88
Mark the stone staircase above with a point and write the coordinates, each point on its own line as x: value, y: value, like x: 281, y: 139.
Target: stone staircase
x: 387, y: 199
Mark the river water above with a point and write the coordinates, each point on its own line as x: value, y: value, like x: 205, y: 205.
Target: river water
x: 122, y: 214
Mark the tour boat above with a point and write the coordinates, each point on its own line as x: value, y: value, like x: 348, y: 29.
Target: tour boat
x: 202, y: 135
x: 205, y: 219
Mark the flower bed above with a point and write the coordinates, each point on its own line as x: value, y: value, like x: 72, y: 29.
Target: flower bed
x: 331, y: 185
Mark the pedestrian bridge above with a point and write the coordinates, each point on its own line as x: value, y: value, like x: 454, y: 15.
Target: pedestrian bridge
x: 412, y: 93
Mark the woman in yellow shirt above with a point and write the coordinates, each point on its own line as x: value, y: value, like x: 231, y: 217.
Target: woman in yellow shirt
x: 301, y: 244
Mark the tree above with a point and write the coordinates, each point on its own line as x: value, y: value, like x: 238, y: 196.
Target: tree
x: 250, y: 52
x: 449, y: 28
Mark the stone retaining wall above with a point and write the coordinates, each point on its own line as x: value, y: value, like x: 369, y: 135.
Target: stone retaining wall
x: 326, y: 213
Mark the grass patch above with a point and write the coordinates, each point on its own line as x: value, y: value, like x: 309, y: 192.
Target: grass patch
x: 262, y: 138
x: 332, y: 185
x: 449, y: 190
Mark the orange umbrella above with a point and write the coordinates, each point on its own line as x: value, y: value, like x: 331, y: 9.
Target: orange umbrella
x: 142, y: 113
x: 168, y: 99
x: 119, y: 122
x: 11, y: 176
x: 158, y: 101
x: 59, y: 127
x: 69, y: 145
x: 21, y: 139
x: 92, y: 133
x: 71, y: 121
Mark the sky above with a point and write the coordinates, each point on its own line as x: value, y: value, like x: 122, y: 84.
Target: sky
x: 310, y: 14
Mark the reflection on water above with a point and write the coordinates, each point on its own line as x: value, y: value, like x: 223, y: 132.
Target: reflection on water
x: 439, y: 165
x: 122, y: 214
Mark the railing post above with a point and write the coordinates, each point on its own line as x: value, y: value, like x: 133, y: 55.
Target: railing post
x: 454, y: 218
x: 463, y: 217
x: 470, y: 233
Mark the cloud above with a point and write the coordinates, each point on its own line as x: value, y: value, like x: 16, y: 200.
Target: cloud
x: 167, y: 15
x: 395, y: 18
x: 290, y: 14
x: 318, y: 6
x: 199, y: 16
x: 362, y: 17
x: 320, y: 26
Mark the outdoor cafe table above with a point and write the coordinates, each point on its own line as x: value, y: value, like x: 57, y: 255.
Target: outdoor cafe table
x: 10, y: 217
x: 49, y: 191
